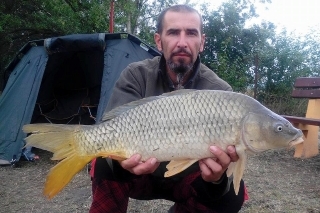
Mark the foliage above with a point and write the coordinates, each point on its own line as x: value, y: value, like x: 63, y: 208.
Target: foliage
x: 256, y: 60
x: 25, y: 20
x: 138, y: 17
x: 147, y: 22
x: 227, y: 44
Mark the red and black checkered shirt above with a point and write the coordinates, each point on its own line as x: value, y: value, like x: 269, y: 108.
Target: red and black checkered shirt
x: 190, y: 194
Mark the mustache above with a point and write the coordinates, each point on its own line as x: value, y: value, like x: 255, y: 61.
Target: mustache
x: 181, y: 50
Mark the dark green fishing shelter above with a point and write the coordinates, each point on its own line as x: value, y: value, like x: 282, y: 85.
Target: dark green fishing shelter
x: 66, y: 79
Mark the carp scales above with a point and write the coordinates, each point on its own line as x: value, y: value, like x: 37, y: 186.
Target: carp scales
x: 178, y: 127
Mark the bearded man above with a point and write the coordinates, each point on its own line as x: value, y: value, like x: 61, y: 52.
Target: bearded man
x: 203, y: 187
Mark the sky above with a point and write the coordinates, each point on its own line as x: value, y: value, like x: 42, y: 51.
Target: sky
x: 297, y: 16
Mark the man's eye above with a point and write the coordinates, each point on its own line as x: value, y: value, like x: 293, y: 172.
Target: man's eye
x: 192, y: 33
x: 173, y: 33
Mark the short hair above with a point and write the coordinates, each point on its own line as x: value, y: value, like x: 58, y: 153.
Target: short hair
x: 176, y: 8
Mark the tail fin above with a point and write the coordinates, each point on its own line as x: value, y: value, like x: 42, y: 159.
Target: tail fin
x: 59, y: 139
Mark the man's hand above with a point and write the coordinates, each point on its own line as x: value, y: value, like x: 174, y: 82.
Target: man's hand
x: 135, y: 166
x: 212, y: 169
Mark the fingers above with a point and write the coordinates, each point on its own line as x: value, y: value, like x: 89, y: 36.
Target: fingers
x: 212, y: 169
x: 135, y: 166
x: 133, y: 161
x: 232, y: 153
x: 222, y: 157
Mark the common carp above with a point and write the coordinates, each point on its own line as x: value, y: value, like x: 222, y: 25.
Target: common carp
x: 178, y: 127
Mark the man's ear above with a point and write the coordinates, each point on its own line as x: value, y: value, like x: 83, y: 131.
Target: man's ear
x: 157, y: 39
x: 203, y: 37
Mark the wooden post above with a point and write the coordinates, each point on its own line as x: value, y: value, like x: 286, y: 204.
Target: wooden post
x: 111, y: 22
x: 310, y: 145
x: 256, y: 64
x: 307, y: 87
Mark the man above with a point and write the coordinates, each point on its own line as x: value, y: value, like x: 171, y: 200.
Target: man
x: 204, y: 186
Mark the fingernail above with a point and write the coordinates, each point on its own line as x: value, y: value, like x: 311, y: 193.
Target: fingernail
x: 213, y: 149
x: 230, y: 149
x: 137, y: 158
x: 153, y: 161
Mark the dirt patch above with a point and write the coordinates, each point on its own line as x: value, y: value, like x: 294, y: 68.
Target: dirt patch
x: 276, y: 181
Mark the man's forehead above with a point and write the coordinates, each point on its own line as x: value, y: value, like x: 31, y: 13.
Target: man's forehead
x: 183, y: 19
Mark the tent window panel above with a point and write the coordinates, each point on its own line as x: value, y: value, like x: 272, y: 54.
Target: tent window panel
x: 72, y: 89
x: 68, y: 107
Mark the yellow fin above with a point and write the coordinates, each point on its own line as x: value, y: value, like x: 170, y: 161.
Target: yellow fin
x: 60, y: 139
x: 45, y: 127
x: 56, y: 138
x: 118, y: 158
x: 61, y: 174
x: 177, y: 166
x: 115, y: 155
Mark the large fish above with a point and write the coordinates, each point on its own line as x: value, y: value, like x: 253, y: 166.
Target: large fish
x: 178, y: 127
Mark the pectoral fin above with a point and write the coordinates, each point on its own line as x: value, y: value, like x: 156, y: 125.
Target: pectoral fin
x: 177, y: 166
x: 231, y: 169
x: 238, y: 170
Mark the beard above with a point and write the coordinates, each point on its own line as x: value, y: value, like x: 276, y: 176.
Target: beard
x: 180, y: 67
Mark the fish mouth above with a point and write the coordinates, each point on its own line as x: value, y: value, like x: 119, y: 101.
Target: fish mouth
x: 296, y: 141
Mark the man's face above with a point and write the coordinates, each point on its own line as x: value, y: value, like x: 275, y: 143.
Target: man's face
x: 181, y: 40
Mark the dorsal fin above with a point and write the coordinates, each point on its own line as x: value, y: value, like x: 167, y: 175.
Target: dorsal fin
x: 178, y: 92
x: 123, y: 108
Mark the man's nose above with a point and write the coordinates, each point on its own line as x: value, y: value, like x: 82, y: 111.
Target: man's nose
x: 182, y: 43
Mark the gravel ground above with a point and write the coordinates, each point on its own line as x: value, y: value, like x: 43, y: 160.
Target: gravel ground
x: 276, y: 182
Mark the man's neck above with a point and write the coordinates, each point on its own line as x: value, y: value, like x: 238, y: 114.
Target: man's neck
x: 178, y: 79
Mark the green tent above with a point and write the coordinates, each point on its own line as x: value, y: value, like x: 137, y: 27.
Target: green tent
x: 66, y: 79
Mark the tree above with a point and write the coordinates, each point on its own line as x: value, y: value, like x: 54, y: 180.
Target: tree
x: 255, y: 58
x: 25, y: 20
x: 138, y: 17
x: 226, y: 49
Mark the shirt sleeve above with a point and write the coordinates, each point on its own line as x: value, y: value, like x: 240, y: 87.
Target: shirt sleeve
x: 127, y: 88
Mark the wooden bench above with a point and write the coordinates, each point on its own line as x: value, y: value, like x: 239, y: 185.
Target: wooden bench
x: 307, y: 88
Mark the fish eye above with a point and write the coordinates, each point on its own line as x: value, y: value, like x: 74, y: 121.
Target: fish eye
x: 279, y: 128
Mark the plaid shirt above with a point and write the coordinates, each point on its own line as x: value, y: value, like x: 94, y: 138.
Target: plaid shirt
x: 113, y: 196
